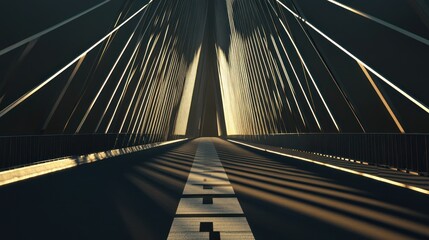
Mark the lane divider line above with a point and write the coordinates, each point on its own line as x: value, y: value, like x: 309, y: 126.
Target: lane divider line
x: 380, y: 179
x: 58, y: 164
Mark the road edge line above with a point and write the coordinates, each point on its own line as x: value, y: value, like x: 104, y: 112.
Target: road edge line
x: 380, y: 179
x: 58, y: 164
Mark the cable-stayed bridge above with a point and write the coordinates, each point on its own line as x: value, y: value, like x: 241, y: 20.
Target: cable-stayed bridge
x: 214, y: 119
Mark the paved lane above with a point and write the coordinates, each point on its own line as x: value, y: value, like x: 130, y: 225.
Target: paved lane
x: 284, y: 198
x: 134, y: 196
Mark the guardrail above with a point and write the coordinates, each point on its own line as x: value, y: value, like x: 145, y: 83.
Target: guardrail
x: 23, y: 150
x: 408, y: 152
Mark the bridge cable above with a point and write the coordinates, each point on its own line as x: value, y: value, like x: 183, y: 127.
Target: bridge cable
x: 24, y: 97
x: 392, y: 85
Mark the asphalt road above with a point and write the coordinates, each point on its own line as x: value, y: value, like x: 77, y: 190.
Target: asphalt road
x: 136, y: 197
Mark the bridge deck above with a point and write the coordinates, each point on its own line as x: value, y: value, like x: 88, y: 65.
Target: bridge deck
x: 137, y: 196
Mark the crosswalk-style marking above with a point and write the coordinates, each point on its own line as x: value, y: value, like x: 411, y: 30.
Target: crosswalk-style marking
x: 208, y: 189
x: 228, y: 227
x: 209, y: 208
x: 219, y: 206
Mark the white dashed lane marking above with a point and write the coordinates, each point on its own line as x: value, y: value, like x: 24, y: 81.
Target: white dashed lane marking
x: 209, y: 209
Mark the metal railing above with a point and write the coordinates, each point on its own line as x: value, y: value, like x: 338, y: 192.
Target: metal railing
x: 23, y: 150
x: 402, y: 151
